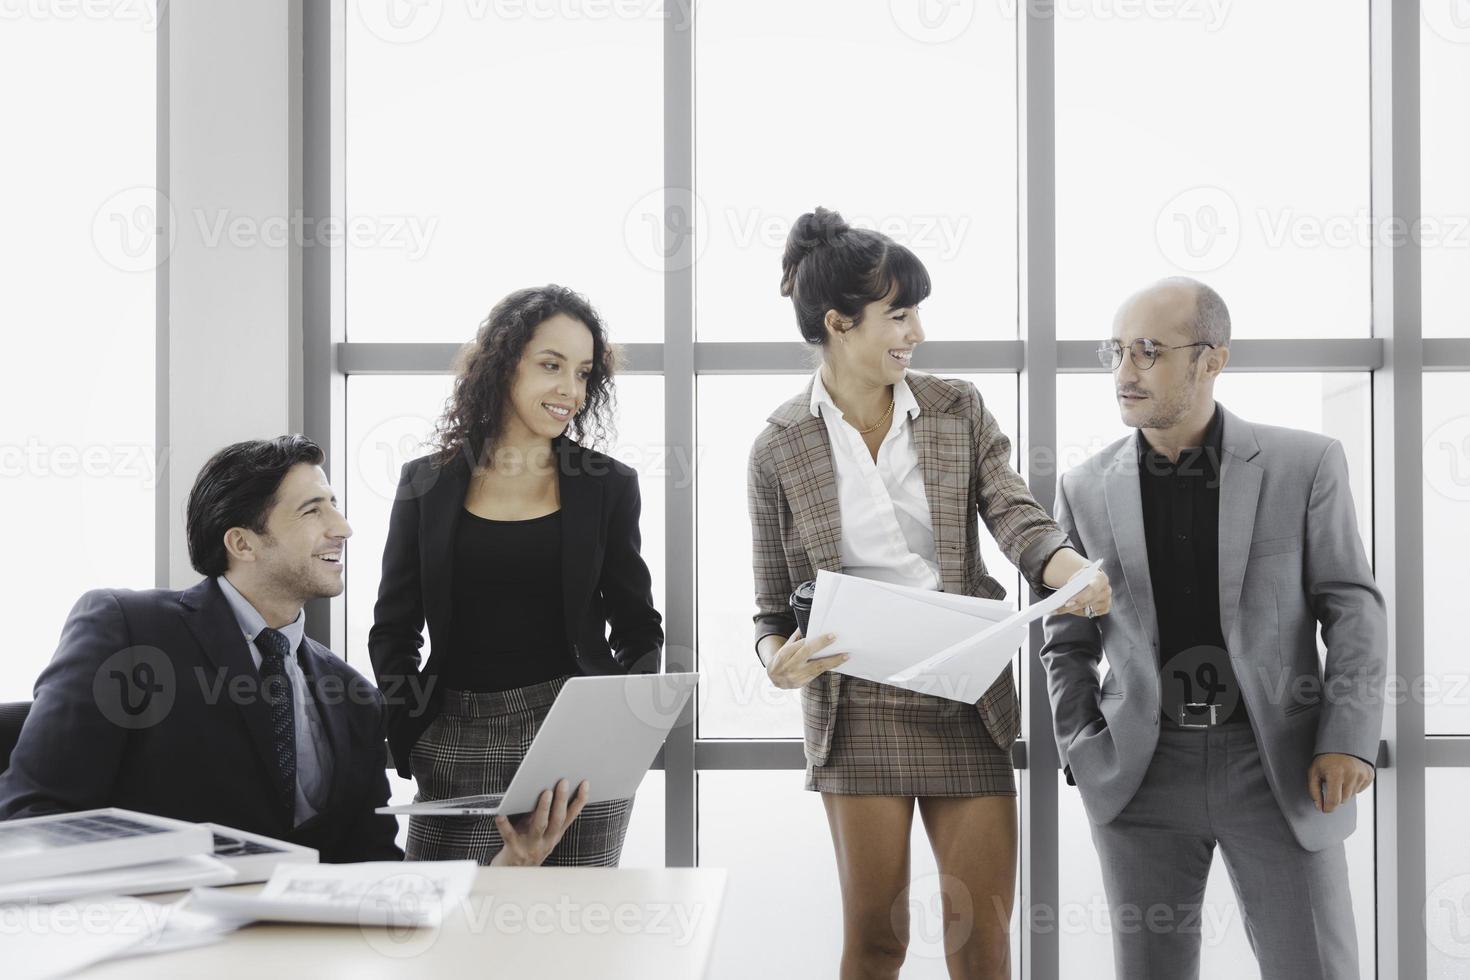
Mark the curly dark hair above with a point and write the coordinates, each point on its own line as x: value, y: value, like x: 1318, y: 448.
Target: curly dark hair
x: 486, y: 366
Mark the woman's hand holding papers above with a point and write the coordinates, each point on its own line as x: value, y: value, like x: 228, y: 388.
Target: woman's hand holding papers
x: 1095, y: 600
x: 793, y: 665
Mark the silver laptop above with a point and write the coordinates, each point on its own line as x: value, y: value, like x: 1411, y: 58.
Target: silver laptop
x: 604, y: 729
x: 253, y: 857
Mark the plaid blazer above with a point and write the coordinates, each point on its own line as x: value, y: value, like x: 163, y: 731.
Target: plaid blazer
x: 796, y: 525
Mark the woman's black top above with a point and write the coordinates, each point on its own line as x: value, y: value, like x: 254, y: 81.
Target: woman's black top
x: 507, y: 623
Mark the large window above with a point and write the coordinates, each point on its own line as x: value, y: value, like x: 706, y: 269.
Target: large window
x: 1443, y: 243
x: 1445, y: 152
x: 77, y: 463
x: 1447, y: 902
x: 1185, y: 147
x: 851, y: 109
x: 1446, y: 691
x: 491, y: 146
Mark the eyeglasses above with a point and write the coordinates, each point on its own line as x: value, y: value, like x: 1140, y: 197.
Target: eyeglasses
x: 1142, y: 352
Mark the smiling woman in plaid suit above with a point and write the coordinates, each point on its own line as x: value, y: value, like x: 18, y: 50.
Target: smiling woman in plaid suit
x: 878, y: 471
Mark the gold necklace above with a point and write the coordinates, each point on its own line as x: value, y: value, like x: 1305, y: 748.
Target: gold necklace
x: 886, y: 413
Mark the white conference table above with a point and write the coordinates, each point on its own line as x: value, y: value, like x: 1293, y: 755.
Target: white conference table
x: 546, y: 923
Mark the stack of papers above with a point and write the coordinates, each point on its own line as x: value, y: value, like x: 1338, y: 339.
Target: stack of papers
x: 144, y: 879
x: 49, y: 865
x: 112, y: 851
x: 107, y: 851
x: 950, y: 646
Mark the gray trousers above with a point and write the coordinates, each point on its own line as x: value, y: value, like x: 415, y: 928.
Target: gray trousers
x: 1205, y: 787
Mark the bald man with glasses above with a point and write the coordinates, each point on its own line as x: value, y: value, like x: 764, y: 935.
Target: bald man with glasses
x: 1217, y: 724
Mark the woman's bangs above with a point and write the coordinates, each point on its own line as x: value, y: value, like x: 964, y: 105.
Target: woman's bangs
x: 901, y: 272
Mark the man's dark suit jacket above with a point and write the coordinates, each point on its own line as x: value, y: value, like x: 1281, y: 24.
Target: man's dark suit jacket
x: 152, y: 703
x: 605, y: 581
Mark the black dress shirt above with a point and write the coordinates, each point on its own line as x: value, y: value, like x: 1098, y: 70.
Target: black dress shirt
x: 1181, y: 520
x: 508, y: 629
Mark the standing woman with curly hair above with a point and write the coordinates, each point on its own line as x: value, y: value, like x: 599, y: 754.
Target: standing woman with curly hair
x: 878, y: 471
x: 518, y: 546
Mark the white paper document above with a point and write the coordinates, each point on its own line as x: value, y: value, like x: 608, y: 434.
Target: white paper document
x: 53, y: 940
x: 374, y: 893
x: 44, y: 941
x: 950, y: 646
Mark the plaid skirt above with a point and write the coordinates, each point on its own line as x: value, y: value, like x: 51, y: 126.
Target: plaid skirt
x: 474, y: 746
x: 888, y: 741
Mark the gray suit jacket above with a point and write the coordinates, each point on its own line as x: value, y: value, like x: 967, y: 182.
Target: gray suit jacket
x: 1290, y: 558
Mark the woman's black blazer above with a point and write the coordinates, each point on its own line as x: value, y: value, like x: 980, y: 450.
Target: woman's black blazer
x: 605, y: 581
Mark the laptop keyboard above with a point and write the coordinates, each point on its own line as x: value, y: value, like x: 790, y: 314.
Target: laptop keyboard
x: 489, y: 799
x: 237, y: 847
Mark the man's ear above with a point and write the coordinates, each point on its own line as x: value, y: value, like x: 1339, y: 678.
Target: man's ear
x: 239, y: 544
x: 1219, y: 357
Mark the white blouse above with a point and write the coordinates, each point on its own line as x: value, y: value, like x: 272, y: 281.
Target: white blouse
x: 887, y: 532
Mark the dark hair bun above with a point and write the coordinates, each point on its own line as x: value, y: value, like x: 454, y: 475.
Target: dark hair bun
x: 813, y: 229
x: 830, y: 265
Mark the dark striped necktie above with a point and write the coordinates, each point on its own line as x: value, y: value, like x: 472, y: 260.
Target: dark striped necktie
x: 276, y: 683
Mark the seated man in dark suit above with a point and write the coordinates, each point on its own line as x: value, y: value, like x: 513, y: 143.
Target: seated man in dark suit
x: 211, y: 704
